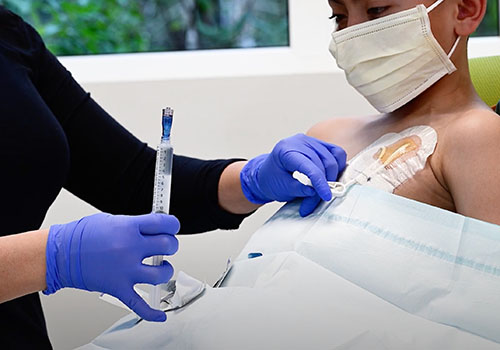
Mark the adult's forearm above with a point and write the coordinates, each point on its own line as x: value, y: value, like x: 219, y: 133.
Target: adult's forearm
x: 231, y: 197
x: 22, y: 264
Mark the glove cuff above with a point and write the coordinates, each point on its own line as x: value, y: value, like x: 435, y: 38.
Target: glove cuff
x: 63, y: 267
x: 249, y: 180
x: 51, y: 252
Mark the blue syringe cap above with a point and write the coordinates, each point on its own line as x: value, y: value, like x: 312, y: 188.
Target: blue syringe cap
x: 167, y: 120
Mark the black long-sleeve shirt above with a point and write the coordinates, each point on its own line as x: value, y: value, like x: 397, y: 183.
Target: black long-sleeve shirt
x: 53, y: 135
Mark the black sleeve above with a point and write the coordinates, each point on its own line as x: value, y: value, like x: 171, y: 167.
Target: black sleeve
x: 113, y: 170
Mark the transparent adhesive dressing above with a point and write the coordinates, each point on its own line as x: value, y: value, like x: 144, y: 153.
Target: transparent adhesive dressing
x: 387, y: 163
x: 162, y: 182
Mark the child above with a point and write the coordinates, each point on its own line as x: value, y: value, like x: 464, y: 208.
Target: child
x: 416, y: 76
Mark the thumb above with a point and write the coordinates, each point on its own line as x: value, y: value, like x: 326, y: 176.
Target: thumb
x: 141, y: 308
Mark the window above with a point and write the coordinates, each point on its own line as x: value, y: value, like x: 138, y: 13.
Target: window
x: 81, y: 27
x: 299, y: 43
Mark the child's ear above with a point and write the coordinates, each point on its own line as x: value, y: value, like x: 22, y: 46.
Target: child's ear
x: 469, y: 16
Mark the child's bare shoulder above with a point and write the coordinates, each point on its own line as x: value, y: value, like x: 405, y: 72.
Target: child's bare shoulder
x: 473, y: 128
x: 469, y: 163
x: 332, y: 130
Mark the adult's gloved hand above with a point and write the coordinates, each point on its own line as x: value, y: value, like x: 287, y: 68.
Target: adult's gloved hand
x: 104, y: 253
x: 269, y: 177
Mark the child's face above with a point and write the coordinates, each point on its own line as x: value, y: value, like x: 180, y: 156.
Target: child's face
x: 352, y: 12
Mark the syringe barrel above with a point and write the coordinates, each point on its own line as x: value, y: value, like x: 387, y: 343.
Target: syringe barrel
x: 161, y: 200
x: 163, y: 177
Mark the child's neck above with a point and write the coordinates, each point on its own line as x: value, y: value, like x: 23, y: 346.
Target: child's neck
x: 453, y: 93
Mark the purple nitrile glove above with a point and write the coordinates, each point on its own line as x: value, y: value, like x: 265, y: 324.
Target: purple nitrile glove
x: 269, y: 177
x: 104, y: 253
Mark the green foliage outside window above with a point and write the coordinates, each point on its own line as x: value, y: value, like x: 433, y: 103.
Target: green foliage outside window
x: 490, y: 24
x: 81, y: 27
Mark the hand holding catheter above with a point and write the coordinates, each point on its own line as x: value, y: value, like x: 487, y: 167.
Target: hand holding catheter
x: 383, y: 160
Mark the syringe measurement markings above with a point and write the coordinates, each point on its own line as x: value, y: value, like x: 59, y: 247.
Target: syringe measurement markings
x: 159, y: 193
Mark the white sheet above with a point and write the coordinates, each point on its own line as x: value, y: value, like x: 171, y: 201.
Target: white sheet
x: 372, y: 270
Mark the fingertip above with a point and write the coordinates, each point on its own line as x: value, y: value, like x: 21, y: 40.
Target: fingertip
x: 156, y: 275
x: 158, y: 223
x: 167, y: 264
x: 323, y: 190
x: 326, y: 195
x: 156, y: 316
x: 162, y: 317
x: 141, y: 308
x: 166, y: 272
x: 174, y: 246
x: 171, y: 224
x: 309, y: 205
x: 303, y: 213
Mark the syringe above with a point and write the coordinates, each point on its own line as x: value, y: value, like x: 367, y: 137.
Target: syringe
x: 163, y: 179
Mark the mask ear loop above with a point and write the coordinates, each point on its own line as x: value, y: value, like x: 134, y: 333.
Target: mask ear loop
x: 454, y: 47
x: 432, y: 7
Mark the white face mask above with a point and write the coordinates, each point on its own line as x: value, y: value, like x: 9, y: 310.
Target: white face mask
x: 393, y: 59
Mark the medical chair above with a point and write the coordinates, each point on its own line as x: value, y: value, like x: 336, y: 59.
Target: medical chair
x: 485, y: 73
